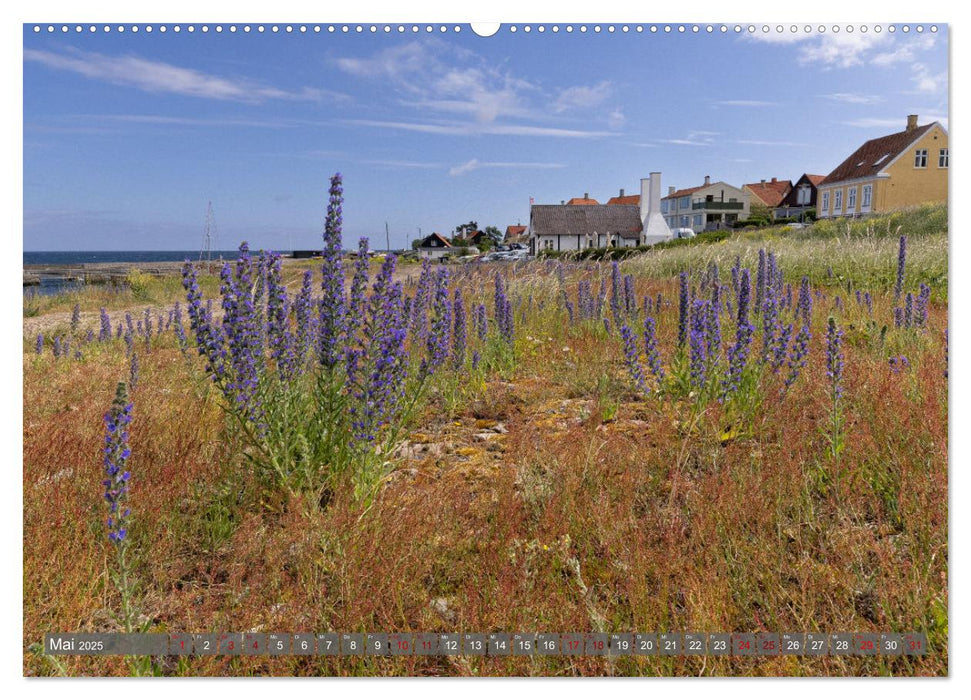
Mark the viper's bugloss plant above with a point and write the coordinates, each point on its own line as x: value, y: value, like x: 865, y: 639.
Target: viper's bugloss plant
x: 105, y: 333
x: 319, y: 389
x: 901, y: 268
x: 834, y: 372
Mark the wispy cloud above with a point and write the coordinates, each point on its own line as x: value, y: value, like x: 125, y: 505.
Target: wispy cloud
x: 744, y: 103
x: 476, y: 164
x: 694, y: 138
x: 854, y: 98
x: 582, y: 96
x: 159, y: 77
x: 165, y: 120
x: 402, y: 164
x: 895, y: 123
x: 761, y: 142
x: 926, y: 81
x: 461, y: 129
x: 439, y: 79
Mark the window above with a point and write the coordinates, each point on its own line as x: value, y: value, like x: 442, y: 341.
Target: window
x: 804, y: 195
x: 942, y: 159
x: 851, y: 199
x: 837, y: 201
x: 867, y: 195
x: 825, y: 201
x: 684, y: 221
x: 664, y: 206
x: 548, y: 244
x: 685, y: 202
x: 920, y: 158
x: 697, y: 220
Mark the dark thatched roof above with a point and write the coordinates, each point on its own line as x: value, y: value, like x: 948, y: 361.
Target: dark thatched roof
x: 585, y: 219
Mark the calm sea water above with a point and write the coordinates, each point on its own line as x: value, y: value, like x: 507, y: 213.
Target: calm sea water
x: 55, y: 285
x: 73, y: 257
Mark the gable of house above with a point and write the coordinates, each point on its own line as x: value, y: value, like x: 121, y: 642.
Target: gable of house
x: 435, y: 240
x: 876, y: 155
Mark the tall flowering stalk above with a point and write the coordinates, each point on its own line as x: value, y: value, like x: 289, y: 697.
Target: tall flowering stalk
x: 303, y: 311
x: 279, y: 335
x: 40, y: 343
x: 105, y: 333
x: 243, y: 342
x: 438, y: 341
x: 75, y: 318
x: 651, y: 351
x: 357, y: 301
x: 804, y: 307
x: 739, y: 352
x: 798, y: 356
x: 330, y: 327
x: 698, y: 343
x: 632, y: 359
x: 683, y: 295
x: 459, y: 334
x: 115, y: 456
x: 209, y: 337
x: 901, y: 268
x: 834, y: 371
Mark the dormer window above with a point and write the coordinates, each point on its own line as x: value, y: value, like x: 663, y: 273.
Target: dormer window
x: 881, y: 159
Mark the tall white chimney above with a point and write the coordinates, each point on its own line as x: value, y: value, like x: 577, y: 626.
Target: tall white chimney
x: 645, y: 198
x: 654, y: 228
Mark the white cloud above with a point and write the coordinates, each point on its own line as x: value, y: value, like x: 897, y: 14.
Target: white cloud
x: 925, y: 81
x: 437, y: 78
x: 158, y: 77
x: 744, y: 103
x: 616, y: 119
x: 895, y: 123
x: 843, y: 50
x: 854, y: 98
x: 461, y: 129
x: 402, y: 164
x: 582, y: 96
x: 476, y: 164
x: 694, y: 138
x: 757, y: 142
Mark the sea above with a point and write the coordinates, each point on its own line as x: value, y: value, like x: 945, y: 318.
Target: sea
x: 56, y: 285
x: 73, y: 257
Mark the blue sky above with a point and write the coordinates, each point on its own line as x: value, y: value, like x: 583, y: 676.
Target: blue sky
x: 127, y: 137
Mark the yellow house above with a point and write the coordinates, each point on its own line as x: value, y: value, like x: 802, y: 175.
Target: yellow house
x: 899, y: 170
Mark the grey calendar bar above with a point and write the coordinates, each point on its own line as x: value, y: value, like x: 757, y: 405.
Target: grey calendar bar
x: 758, y: 645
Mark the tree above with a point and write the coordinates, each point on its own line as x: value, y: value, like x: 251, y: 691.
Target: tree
x: 494, y: 234
x: 463, y: 231
x: 416, y: 244
x: 758, y: 210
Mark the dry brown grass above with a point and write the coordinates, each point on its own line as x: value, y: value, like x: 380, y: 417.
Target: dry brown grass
x: 598, y: 510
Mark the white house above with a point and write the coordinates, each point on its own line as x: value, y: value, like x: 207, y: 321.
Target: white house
x: 435, y: 247
x: 631, y: 222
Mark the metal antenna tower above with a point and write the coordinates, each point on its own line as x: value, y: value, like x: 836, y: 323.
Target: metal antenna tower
x: 206, y: 252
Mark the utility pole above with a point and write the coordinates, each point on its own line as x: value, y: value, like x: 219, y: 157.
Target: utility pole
x: 387, y: 238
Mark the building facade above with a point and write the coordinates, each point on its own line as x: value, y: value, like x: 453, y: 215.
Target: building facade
x: 903, y: 169
x: 708, y: 207
x: 801, y: 198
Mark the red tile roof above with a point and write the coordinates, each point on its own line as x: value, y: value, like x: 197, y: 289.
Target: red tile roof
x: 581, y: 200
x: 626, y: 199
x: 514, y: 231
x: 771, y: 192
x: 874, y: 155
x: 685, y: 192
x: 815, y: 179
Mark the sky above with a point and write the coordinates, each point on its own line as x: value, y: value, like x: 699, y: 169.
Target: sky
x: 128, y: 136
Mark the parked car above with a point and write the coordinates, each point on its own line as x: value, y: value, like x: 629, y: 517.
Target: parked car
x: 684, y: 233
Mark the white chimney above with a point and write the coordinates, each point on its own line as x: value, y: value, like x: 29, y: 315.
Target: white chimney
x: 654, y: 228
x: 708, y: 180
x: 645, y: 198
